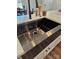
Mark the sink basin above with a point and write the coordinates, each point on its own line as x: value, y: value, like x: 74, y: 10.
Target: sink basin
x: 46, y: 24
x: 32, y: 33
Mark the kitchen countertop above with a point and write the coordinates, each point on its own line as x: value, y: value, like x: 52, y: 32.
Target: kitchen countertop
x: 20, y: 50
x: 53, y: 15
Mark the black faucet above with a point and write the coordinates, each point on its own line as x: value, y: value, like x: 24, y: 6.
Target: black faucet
x: 29, y: 9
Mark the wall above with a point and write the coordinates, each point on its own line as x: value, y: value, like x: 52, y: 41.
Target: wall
x: 56, y: 4
x: 47, y: 4
x: 32, y: 4
x: 19, y: 3
x: 51, y: 4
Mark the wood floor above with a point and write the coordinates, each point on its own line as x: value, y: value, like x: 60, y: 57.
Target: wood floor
x: 55, y: 53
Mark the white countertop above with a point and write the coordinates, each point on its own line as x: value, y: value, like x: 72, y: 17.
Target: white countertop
x: 20, y: 50
x: 54, y: 15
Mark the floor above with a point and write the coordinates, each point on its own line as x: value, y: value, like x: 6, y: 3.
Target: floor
x: 55, y: 53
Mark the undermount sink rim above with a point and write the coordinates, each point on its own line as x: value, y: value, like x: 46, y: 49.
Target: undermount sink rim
x: 46, y: 33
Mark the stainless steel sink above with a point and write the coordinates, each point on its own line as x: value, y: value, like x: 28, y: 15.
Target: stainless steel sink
x: 33, y: 32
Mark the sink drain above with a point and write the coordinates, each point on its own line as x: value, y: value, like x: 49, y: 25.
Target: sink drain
x: 35, y: 32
